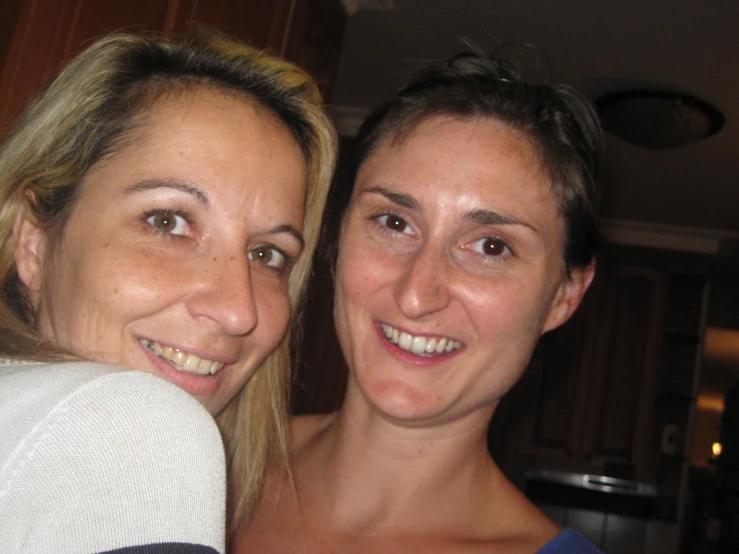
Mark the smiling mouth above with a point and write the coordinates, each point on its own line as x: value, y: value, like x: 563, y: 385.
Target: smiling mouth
x: 419, y: 344
x: 182, y: 361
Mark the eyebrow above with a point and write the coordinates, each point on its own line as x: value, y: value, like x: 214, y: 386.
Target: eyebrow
x: 486, y: 217
x: 150, y: 184
x: 403, y: 200
x: 290, y: 230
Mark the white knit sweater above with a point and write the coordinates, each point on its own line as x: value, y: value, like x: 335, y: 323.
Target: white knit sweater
x: 94, y: 459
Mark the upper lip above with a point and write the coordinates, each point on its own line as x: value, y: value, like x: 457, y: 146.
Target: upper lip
x: 430, y: 335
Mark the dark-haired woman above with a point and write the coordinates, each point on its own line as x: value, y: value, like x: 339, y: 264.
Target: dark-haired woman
x: 470, y: 232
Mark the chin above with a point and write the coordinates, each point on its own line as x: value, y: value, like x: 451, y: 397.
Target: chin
x: 405, y: 403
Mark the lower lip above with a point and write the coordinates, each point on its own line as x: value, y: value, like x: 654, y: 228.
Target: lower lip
x: 409, y: 357
x: 197, y: 385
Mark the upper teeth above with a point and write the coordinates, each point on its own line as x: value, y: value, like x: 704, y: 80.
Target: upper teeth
x: 418, y: 344
x: 181, y: 361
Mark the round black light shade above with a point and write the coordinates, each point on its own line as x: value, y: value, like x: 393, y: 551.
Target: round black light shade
x: 657, y: 119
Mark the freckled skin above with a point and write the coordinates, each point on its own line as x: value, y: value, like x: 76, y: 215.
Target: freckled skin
x: 403, y: 465
x: 432, y: 283
x: 118, y: 279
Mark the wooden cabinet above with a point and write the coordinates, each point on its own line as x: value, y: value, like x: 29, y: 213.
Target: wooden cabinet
x: 593, y: 379
x: 47, y: 33
x: 610, y: 390
x: 38, y: 36
x: 315, y: 38
x: 625, y: 352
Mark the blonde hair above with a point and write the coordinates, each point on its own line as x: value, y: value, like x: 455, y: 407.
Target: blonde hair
x: 86, y: 115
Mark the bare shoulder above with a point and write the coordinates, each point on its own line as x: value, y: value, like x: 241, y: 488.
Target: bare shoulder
x: 519, y: 524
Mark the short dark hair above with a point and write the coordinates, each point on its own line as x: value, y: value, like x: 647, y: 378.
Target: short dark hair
x: 560, y: 122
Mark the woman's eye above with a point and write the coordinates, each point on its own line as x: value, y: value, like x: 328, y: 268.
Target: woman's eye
x: 269, y: 256
x: 168, y: 222
x: 491, y: 246
x: 394, y: 223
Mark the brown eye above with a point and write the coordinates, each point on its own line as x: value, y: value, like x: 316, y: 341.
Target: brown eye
x: 269, y: 256
x: 263, y: 255
x: 164, y: 221
x: 493, y: 247
x: 394, y: 223
x: 168, y: 222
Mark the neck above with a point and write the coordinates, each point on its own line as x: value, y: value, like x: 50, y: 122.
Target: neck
x: 378, y: 474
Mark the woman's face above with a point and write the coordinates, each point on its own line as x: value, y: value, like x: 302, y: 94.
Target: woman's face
x: 176, y: 257
x: 450, y: 268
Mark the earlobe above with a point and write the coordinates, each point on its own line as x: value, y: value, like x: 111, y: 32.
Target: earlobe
x: 569, y: 295
x: 29, y: 243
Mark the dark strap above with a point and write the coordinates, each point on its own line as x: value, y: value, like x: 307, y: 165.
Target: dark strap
x: 164, y: 548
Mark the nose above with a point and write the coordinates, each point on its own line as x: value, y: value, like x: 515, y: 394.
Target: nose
x: 225, y: 295
x: 423, y: 288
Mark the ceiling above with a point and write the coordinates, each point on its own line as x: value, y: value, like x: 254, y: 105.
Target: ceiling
x: 599, y: 47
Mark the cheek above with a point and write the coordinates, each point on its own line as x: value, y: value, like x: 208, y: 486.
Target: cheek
x: 513, y: 312
x: 510, y: 326
x: 130, y: 281
x: 353, y: 286
x: 81, y: 308
x: 363, y: 269
x: 115, y: 281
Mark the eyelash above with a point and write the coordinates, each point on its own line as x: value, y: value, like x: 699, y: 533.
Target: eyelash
x: 175, y: 213
x: 508, y: 251
x: 485, y: 258
x: 384, y: 228
x: 146, y: 216
x: 287, y: 263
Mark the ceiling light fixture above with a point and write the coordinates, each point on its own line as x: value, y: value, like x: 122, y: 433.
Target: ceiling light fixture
x: 658, y: 119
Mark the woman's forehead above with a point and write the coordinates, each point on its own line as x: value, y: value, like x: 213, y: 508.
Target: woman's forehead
x: 459, y: 146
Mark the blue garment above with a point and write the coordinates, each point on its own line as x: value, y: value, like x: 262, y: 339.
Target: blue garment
x: 569, y: 541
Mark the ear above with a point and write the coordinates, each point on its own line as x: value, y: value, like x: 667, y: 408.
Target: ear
x: 29, y: 243
x: 569, y: 295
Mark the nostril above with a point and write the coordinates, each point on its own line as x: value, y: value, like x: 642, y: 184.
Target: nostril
x: 423, y: 290
x: 224, y: 295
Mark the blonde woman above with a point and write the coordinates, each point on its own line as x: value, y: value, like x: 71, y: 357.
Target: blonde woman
x: 161, y: 201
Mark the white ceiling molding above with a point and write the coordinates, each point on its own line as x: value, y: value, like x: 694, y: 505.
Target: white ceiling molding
x: 348, y: 119
x: 353, y: 6
x: 666, y: 237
